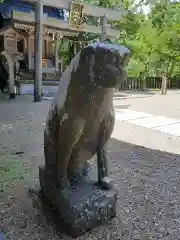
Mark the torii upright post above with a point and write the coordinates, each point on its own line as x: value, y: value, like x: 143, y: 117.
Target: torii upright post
x: 104, y: 23
x: 38, y: 52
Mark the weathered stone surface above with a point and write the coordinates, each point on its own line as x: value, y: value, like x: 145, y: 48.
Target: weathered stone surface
x: 81, y: 207
x: 81, y: 117
x: 79, y: 124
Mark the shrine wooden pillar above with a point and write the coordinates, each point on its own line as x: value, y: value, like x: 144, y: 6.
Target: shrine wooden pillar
x: 29, y: 52
x: 71, y: 50
x: 57, y: 54
x: 38, y: 51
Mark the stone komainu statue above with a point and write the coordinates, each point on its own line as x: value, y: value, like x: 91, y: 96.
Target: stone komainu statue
x: 81, y: 118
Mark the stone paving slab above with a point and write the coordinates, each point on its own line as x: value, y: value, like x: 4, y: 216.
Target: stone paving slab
x: 127, y: 115
x: 151, y: 102
x: 153, y: 121
x: 145, y: 137
x: 173, y: 129
x: 158, y: 123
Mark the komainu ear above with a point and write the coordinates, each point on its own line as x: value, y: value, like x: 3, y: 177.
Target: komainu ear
x: 85, y: 54
x: 100, y: 56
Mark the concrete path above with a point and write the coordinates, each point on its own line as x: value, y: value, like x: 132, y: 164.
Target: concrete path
x: 150, y: 121
x: 150, y: 102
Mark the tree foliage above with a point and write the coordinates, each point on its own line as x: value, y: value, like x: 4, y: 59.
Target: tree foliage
x: 153, y: 38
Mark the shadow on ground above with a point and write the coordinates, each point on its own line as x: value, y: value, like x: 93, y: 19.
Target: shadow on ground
x: 148, y: 183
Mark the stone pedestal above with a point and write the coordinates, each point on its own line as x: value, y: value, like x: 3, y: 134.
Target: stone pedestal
x: 83, y: 206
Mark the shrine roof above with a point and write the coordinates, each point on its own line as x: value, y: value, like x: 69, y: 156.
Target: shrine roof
x: 8, y: 6
x: 10, y: 27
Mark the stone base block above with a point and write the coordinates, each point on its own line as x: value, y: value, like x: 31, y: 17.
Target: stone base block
x: 83, y: 206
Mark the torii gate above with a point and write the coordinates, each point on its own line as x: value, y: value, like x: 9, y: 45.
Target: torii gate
x: 77, y: 10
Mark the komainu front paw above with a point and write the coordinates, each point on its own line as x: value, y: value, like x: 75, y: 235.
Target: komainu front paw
x: 105, y: 183
x: 64, y: 183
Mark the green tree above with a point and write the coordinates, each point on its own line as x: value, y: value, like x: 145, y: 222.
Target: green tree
x: 165, y: 18
x: 153, y: 39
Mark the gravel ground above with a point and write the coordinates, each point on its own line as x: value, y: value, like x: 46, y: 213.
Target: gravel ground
x: 147, y: 181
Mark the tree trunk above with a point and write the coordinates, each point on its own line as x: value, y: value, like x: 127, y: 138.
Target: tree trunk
x: 143, y: 83
x: 164, y: 84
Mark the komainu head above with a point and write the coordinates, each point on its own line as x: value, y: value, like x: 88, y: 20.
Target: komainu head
x: 103, y: 64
